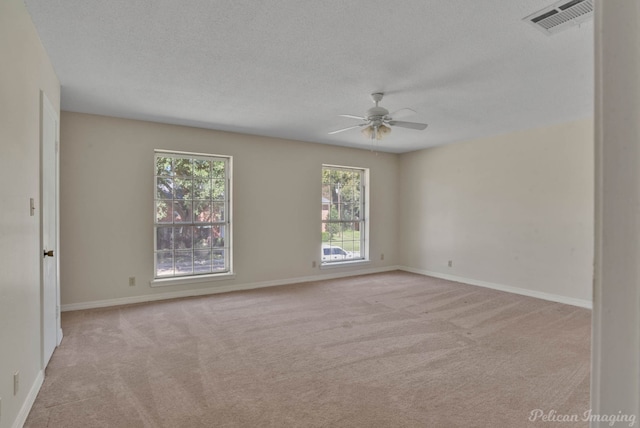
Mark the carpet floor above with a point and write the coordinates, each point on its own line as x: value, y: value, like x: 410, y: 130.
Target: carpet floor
x: 385, y: 350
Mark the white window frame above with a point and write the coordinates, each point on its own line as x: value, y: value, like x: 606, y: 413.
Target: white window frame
x: 364, y: 220
x: 227, y: 222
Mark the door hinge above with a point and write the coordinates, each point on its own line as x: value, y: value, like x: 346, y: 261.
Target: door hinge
x: 57, y: 146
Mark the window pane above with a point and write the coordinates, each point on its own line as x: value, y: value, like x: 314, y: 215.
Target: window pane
x: 164, y: 263
x: 218, y: 263
x: 183, y: 167
x: 326, y: 176
x: 163, y: 166
x: 326, y: 193
x: 219, y: 169
x: 182, y: 188
x: 201, y: 168
x: 202, y: 261
x: 202, y: 237
x: 326, y: 236
x: 348, y: 193
x: 218, y: 189
x: 357, y: 199
x: 202, y: 212
x: 347, y: 211
x: 164, y: 212
x: 183, y: 237
x: 356, y: 179
x: 182, y: 211
x: 201, y: 189
x: 334, y: 214
x: 164, y: 238
x: 184, y: 262
x: 218, y: 211
x: 217, y: 234
x: 164, y: 188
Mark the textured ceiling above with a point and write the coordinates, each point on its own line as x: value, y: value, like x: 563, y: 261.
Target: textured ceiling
x: 287, y: 68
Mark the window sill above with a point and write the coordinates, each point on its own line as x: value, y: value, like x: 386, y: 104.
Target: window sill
x: 163, y: 282
x: 344, y: 264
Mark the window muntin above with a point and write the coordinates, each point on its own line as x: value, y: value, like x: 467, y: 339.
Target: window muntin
x: 192, y: 215
x: 343, y: 214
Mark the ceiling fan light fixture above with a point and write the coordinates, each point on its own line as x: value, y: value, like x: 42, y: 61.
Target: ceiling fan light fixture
x: 376, y: 131
x: 382, y: 131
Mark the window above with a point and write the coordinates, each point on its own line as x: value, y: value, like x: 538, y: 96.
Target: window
x: 192, y: 220
x: 344, y: 225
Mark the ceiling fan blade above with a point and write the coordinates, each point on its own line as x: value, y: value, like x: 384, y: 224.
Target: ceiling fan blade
x: 346, y: 129
x: 403, y: 112
x: 410, y: 125
x: 350, y: 116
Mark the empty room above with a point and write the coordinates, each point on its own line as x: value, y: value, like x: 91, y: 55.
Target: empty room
x: 320, y: 214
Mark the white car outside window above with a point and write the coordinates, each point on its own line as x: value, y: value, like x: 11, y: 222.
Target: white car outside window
x: 330, y: 253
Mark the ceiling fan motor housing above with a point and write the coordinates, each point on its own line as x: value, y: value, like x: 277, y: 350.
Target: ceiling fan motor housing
x: 377, y: 113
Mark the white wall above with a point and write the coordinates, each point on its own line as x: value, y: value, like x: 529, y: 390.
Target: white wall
x: 514, y: 210
x: 615, y: 376
x: 25, y: 70
x: 107, y: 205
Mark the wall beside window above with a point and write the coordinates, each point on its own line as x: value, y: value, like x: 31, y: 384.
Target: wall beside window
x: 513, y: 210
x: 107, y: 204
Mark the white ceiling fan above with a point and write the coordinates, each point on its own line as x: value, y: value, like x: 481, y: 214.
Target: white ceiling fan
x: 377, y: 121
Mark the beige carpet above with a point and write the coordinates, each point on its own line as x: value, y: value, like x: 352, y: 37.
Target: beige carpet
x: 384, y: 350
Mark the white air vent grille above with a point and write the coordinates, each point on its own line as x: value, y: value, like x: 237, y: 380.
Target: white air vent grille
x: 562, y: 15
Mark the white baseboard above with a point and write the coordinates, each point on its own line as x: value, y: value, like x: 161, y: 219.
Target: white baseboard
x: 523, y: 291
x: 29, y: 400
x: 215, y: 289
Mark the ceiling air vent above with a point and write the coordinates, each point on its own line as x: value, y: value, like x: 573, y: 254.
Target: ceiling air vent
x: 561, y: 15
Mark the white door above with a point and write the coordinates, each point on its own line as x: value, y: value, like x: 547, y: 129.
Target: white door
x: 49, y: 224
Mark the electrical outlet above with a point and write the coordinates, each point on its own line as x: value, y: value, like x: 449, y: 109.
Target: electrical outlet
x: 132, y: 281
x: 450, y: 263
x: 313, y: 264
x: 381, y: 256
x: 16, y: 383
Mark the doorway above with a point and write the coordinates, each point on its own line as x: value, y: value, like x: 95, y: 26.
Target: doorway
x: 49, y: 227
